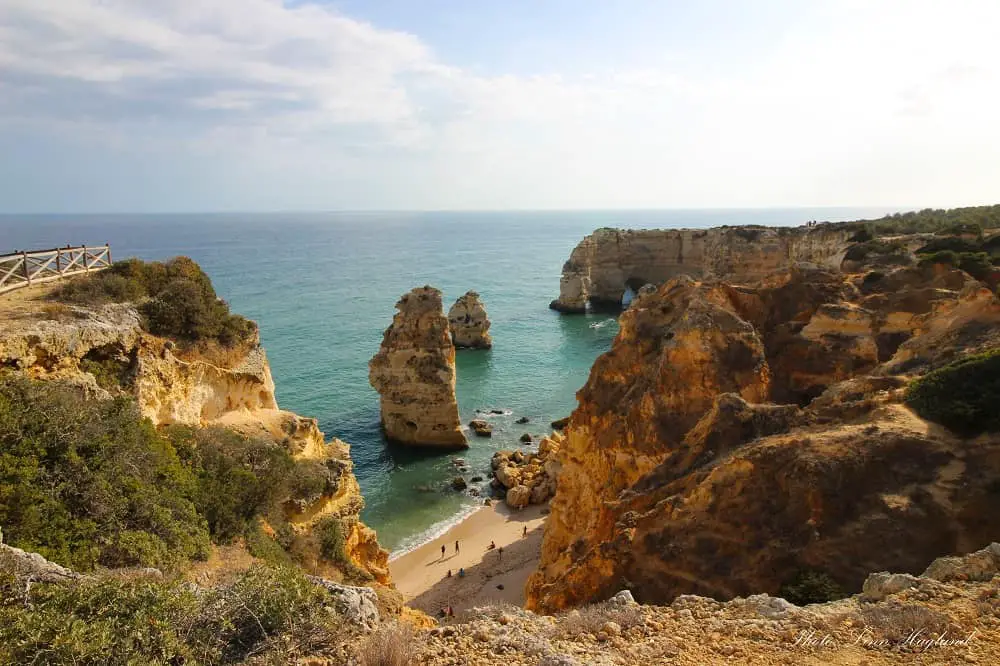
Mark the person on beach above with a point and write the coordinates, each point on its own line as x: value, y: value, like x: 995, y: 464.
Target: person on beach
x: 525, y: 532
x: 500, y: 553
x: 442, y: 551
x: 461, y: 572
x: 492, y: 545
x: 449, y: 574
x: 456, y: 547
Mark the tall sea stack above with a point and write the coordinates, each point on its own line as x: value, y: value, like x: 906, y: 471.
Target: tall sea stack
x: 470, y: 325
x: 414, y: 373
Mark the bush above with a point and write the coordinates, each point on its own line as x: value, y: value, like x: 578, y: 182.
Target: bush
x: 91, y: 482
x: 811, y: 587
x: 961, y: 396
x: 267, y: 610
x: 390, y: 645
x: 176, y: 299
x: 860, y: 251
x: 977, y: 264
x: 932, y: 220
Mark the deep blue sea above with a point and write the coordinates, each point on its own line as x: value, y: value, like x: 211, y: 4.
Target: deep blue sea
x: 322, y: 286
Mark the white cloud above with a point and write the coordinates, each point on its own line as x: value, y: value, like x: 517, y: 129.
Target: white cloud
x: 857, y: 103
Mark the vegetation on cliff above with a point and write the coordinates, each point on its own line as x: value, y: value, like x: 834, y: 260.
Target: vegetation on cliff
x: 268, y: 612
x: 88, y: 483
x: 961, y: 396
x: 930, y: 220
x: 176, y: 298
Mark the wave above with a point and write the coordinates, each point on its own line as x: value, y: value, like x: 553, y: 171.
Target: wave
x: 433, y: 532
x: 602, y: 324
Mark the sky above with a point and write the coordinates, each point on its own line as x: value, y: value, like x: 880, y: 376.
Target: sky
x: 265, y: 105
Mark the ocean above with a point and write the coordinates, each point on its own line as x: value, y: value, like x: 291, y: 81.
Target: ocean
x: 322, y: 287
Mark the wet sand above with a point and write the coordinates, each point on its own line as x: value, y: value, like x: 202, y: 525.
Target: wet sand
x: 421, y: 575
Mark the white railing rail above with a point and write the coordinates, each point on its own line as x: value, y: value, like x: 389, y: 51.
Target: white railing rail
x: 23, y: 269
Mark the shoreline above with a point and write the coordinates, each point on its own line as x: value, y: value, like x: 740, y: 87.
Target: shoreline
x: 421, y: 574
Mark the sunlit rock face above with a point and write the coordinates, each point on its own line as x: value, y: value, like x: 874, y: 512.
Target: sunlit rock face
x: 414, y: 374
x: 237, y: 395
x: 470, y: 325
x: 736, y: 433
x: 610, y: 262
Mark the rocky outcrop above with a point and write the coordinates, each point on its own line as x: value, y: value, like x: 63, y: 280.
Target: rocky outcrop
x: 357, y: 605
x: 609, y: 262
x: 105, y: 351
x: 414, y: 374
x: 928, y: 620
x: 680, y: 475
x: 528, y: 478
x: 469, y: 323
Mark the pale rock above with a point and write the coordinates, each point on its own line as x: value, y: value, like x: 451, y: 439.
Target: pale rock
x: 358, y: 605
x: 414, y: 374
x: 469, y: 323
x: 880, y: 585
x: 518, y: 497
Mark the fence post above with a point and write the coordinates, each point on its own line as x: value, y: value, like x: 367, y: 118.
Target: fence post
x: 58, y: 261
x: 24, y: 267
x: 108, y: 245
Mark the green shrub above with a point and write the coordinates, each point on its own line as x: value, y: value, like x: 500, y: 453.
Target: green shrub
x: 332, y: 545
x: 811, y: 587
x: 977, y: 264
x: 860, y: 251
x: 931, y: 220
x: 91, y: 482
x: 961, y: 396
x: 267, y: 611
x: 237, y: 479
x: 176, y: 299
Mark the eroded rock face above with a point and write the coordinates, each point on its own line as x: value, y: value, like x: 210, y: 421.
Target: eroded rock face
x: 469, y: 323
x: 680, y: 475
x: 414, y: 374
x: 608, y: 261
x: 195, y: 392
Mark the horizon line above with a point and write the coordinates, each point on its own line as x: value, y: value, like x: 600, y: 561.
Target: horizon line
x: 383, y: 211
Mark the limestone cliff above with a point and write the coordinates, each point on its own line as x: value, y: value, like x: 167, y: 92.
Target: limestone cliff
x: 105, y: 351
x: 609, y: 261
x: 414, y: 374
x: 679, y: 476
x: 469, y: 322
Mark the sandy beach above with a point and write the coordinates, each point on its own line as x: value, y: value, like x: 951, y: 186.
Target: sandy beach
x: 421, y: 575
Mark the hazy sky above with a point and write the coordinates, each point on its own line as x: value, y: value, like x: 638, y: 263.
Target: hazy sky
x: 199, y: 105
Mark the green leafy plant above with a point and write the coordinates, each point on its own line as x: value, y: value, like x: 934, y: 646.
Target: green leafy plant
x: 961, y: 396
x: 811, y: 587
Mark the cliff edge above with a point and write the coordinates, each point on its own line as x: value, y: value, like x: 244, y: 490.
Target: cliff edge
x: 608, y: 263
x: 738, y: 433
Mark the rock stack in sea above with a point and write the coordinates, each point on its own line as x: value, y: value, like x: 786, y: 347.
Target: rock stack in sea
x: 469, y: 322
x: 528, y: 478
x: 414, y: 373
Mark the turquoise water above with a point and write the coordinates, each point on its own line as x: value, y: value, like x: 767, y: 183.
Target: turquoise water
x: 322, y: 287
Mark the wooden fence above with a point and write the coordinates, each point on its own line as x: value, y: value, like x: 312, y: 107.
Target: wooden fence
x: 23, y: 269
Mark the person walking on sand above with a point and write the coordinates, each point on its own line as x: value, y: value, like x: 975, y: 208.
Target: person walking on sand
x: 456, y: 547
x: 442, y: 551
x: 525, y: 532
x: 449, y: 574
x: 500, y: 553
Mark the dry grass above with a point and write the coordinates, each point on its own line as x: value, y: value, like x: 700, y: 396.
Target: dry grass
x: 896, y: 623
x: 390, y: 645
x: 590, y: 619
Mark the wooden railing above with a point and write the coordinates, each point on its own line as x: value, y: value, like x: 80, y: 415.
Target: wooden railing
x: 23, y: 269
